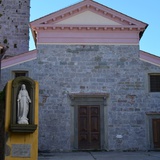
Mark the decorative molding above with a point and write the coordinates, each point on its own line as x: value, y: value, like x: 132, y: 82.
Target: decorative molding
x: 89, y: 6
x: 88, y: 98
x: 85, y: 27
x: 89, y: 95
x: 22, y: 128
x: 88, y: 36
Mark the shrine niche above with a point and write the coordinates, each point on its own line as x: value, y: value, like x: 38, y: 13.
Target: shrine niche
x: 23, y: 105
x: 21, y: 119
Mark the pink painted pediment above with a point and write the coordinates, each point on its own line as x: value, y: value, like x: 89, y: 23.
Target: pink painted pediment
x: 86, y: 16
x: 87, y: 13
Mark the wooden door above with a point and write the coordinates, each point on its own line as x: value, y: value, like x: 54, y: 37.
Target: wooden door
x: 156, y: 133
x: 89, y: 127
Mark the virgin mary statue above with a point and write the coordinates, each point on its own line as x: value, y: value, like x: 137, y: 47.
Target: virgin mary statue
x: 23, y: 105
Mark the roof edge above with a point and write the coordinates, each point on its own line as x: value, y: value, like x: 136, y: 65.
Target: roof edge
x: 18, y: 59
x: 150, y: 58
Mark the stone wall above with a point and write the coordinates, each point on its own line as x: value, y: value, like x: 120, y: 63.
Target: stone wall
x: 115, y: 70
x: 14, y: 21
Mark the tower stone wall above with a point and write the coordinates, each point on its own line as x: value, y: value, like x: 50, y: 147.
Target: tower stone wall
x: 14, y: 26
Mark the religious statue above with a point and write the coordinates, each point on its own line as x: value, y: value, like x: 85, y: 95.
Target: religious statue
x: 23, y: 105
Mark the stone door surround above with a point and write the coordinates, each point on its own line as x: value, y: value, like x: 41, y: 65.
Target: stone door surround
x: 88, y: 99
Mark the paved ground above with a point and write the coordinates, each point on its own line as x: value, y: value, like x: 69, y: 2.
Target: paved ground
x: 101, y: 156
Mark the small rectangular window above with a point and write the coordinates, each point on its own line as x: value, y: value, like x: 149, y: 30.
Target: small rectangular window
x: 155, y: 83
x: 20, y: 73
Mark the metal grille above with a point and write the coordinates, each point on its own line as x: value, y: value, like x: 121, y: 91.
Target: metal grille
x: 155, y: 83
x: 18, y: 74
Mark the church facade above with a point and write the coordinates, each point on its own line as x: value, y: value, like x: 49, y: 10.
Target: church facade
x: 98, y: 90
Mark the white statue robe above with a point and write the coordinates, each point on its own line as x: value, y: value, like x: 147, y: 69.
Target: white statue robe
x: 23, y: 106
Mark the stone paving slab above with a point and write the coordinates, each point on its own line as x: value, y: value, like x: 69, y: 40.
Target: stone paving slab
x: 101, y: 156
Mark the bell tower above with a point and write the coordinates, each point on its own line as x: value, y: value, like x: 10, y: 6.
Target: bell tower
x: 14, y: 26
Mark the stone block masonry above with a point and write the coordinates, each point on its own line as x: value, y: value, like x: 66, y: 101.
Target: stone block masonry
x: 14, y: 21
x: 113, y: 69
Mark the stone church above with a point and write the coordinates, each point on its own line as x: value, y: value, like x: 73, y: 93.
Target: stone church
x: 98, y: 90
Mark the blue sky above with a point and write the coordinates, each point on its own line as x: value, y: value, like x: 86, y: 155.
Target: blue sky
x: 147, y: 11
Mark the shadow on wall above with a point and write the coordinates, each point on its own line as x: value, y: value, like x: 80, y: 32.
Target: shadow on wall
x: 2, y: 116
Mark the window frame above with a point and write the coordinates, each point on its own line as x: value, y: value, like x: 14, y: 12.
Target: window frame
x: 20, y: 71
x: 149, y: 80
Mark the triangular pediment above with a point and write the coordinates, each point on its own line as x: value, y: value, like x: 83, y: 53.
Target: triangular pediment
x: 87, y: 13
x: 88, y: 18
